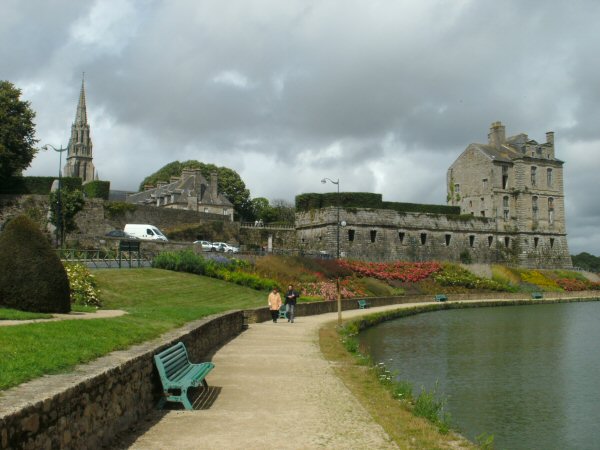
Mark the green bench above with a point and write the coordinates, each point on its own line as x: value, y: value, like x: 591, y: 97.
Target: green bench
x: 441, y: 298
x: 177, y: 373
x: 537, y: 295
x: 282, y: 312
x: 363, y: 304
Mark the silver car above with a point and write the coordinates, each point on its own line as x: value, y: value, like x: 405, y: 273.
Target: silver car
x: 206, y: 246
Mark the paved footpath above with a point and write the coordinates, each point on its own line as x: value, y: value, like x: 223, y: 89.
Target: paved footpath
x: 276, y: 391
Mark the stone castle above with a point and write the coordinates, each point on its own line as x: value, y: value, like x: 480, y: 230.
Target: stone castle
x: 511, y: 200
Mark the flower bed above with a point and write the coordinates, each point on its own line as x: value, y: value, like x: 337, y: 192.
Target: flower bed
x: 399, y: 270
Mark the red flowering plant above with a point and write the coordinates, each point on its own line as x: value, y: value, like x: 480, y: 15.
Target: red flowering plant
x: 328, y: 289
x: 398, y: 270
x: 570, y: 284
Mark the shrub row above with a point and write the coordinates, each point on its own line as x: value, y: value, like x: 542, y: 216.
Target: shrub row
x: 37, y: 185
x: 231, y: 270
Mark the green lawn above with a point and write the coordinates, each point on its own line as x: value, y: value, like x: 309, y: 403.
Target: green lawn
x: 14, y: 314
x: 156, y: 301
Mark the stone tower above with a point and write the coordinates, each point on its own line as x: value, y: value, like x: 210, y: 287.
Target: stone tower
x: 79, y: 154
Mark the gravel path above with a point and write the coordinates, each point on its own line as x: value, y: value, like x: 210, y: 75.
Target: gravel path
x: 273, y: 390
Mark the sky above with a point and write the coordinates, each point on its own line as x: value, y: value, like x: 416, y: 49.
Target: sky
x: 382, y: 94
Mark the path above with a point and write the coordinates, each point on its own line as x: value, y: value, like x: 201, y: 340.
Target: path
x: 276, y: 391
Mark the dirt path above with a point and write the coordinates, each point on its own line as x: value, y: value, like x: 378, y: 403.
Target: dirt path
x: 100, y: 314
x: 275, y: 391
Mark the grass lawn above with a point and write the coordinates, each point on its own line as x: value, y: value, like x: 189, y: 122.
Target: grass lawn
x: 156, y: 301
x: 15, y: 314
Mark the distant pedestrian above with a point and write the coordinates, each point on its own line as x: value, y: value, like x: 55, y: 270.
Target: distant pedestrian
x: 274, y: 304
x: 291, y: 297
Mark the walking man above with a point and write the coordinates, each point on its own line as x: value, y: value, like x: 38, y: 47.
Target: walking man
x: 291, y: 296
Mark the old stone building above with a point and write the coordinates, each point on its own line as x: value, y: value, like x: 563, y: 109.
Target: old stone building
x: 518, y: 182
x: 191, y: 191
x: 79, y: 154
x: 508, y: 204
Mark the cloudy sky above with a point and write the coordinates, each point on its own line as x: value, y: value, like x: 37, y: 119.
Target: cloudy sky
x: 382, y: 94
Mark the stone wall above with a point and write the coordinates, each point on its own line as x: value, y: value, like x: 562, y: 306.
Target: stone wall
x: 86, y: 408
x: 387, y: 235
x: 254, y: 238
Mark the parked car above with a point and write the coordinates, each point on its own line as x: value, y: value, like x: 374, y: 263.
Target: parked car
x: 224, y: 247
x: 206, y: 246
x: 119, y: 234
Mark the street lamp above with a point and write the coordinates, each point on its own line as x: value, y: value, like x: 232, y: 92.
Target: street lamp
x: 337, y: 283
x: 58, y: 199
x: 337, y: 183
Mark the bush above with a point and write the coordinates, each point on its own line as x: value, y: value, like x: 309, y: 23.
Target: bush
x: 84, y: 290
x: 453, y: 275
x: 97, y: 189
x: 32, y: 277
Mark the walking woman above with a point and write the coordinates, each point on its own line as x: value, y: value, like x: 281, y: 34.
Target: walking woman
x: 274, y: 303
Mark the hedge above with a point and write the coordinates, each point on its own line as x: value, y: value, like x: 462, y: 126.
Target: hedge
x: 37, y: 185
x: 306, y: 202
x: 97, y: 189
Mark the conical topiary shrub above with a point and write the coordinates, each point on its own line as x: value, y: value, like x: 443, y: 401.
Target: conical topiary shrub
x: 32, y: 277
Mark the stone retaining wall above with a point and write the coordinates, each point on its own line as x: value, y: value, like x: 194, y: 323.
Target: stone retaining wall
x: 86, y: 408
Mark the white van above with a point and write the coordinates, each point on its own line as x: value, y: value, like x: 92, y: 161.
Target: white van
x: 145, y: 231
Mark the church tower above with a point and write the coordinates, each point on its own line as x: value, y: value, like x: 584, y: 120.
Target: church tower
x: 79, y: 154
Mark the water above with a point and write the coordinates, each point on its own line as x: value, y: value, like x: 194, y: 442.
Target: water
x: 529, y: 375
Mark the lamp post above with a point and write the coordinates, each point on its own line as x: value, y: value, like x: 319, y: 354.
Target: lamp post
x: 337, y: 183
x: 337, y: 283
x: 58, y: 199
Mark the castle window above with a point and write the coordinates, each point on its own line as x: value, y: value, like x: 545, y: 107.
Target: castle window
x: 224, y: 211
x: 482, y: 213
x: 533, y: 175
x: 506, y: 241
x: 351, y: 235
x: 536, y: 241
x: 206, y: 210
x: 549, y: 180
x: 373, y: 235
x: 457, y: 188
x: 534, y: 207
x: 485, y: 184
x: 401, y: 236
x: 551, y: 242
x: 423, y: 238
x: 448, y: 236
x: 490, y: 240
x: 504, y: 177
x: 505, y: 214
x: 551, y: 210
x: 505, y: 205
x: 471, y: 241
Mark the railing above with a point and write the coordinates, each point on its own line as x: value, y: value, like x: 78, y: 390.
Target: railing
x: 270, y: 226
x: 107, y: 259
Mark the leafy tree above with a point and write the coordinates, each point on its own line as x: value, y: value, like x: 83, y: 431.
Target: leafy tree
x: 285, y: 211
x: 17, y: 132
x: 229, y: 183
x: 71, y: 202
x: 262, y: 210
x: 586, y: 261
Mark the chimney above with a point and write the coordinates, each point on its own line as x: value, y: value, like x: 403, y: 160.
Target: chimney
x: 550, y: 143
x: 497, y: 135
x: 213, y: 185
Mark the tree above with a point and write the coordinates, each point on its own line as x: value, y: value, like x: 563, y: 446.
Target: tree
x: 71, y: 202
x: 17, y: 132
x: 229, y: 182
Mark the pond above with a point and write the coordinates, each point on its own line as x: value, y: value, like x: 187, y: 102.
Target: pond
x: 529, y: 375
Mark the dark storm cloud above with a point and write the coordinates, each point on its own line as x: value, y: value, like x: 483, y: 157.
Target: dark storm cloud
x: 383, y: 95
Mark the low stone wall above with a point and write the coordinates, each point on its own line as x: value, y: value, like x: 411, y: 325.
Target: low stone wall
x: 86, y: 408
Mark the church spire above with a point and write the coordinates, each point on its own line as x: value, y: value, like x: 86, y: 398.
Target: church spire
x: 79, y: 155
x: 81, y: 114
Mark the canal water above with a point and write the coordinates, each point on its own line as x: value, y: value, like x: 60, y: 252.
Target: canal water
x: 529, y: 375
